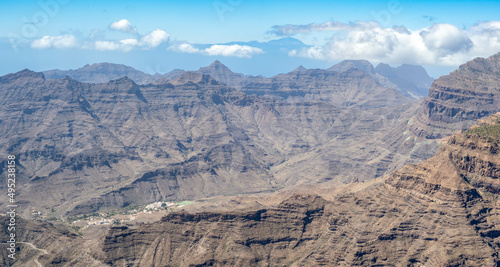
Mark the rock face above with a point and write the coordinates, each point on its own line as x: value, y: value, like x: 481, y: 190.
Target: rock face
x: 441, y: 212
x: 455, y: 101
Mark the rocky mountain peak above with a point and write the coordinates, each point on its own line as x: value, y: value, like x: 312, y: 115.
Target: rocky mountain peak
x: 216, y: 66
x: 125, y: 80
x: 194, y: 77
x: 362, y: 65
x: 23, y: 74
x: 299, y: 69
x: 222, y: 74
x: 101, y: 73
x: 480, y: 67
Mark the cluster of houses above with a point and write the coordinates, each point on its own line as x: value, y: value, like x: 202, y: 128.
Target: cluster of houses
x: 100, y: 222
x: 158, y: 205
x: 150, y: 208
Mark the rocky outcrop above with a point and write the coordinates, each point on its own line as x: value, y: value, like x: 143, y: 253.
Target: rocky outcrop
x: 457, y: 100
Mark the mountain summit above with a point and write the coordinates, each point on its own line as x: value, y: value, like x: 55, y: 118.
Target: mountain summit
x: 101, y: 73
x: 223, y: 74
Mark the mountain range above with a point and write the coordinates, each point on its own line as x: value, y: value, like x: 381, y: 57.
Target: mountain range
x: 92, y: 146
x: 376, y: 176
x: 410, y: 80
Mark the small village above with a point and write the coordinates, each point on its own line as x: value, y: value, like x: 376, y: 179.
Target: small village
x: 150, y: 212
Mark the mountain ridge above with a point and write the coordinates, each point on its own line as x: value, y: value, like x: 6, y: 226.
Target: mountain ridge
x: 103, y: 72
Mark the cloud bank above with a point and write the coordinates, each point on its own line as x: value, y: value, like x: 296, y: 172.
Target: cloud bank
x: 60, y: 42
x: 440, y: 44
x: 148, y: 41
x: 241, y: 51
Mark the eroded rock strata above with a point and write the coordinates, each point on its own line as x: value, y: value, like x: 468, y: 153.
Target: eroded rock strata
x: 442, y: 212
x: 457, y: 100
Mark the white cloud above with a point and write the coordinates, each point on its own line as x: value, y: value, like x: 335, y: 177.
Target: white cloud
x: 233, y: 50
x: 106, y: 45
x: 440, y: 44
x: 123, y: 25
x: 60, y: 42
x: 148, y: 41
x: 219, y: 50
x: 154, y: 39
x: 289, y: 29
x: 184, y: 48
x: 151, y: 40
x: 95, y: 40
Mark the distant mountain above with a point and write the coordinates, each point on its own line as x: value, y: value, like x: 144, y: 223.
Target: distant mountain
x: 351, y: 87
x: 305, y: 126
x: 170, y: 75
x: 223, y: 74
x: 410, y: 80
x: 299, y: 69
x: 362, y: 65
x: 101, y: 73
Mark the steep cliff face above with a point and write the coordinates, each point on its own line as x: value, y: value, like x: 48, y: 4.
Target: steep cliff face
x: 441, y: 212
x: 455, y: 101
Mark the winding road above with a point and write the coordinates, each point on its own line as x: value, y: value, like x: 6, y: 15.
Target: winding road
x: 35, y: 248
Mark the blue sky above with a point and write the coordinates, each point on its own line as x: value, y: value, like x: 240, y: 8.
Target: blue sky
x: 159, y: 36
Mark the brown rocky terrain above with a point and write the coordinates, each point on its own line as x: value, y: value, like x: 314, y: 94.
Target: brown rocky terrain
x: 457, y: 100
x: 84, y: 147
x: 441, y: 212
